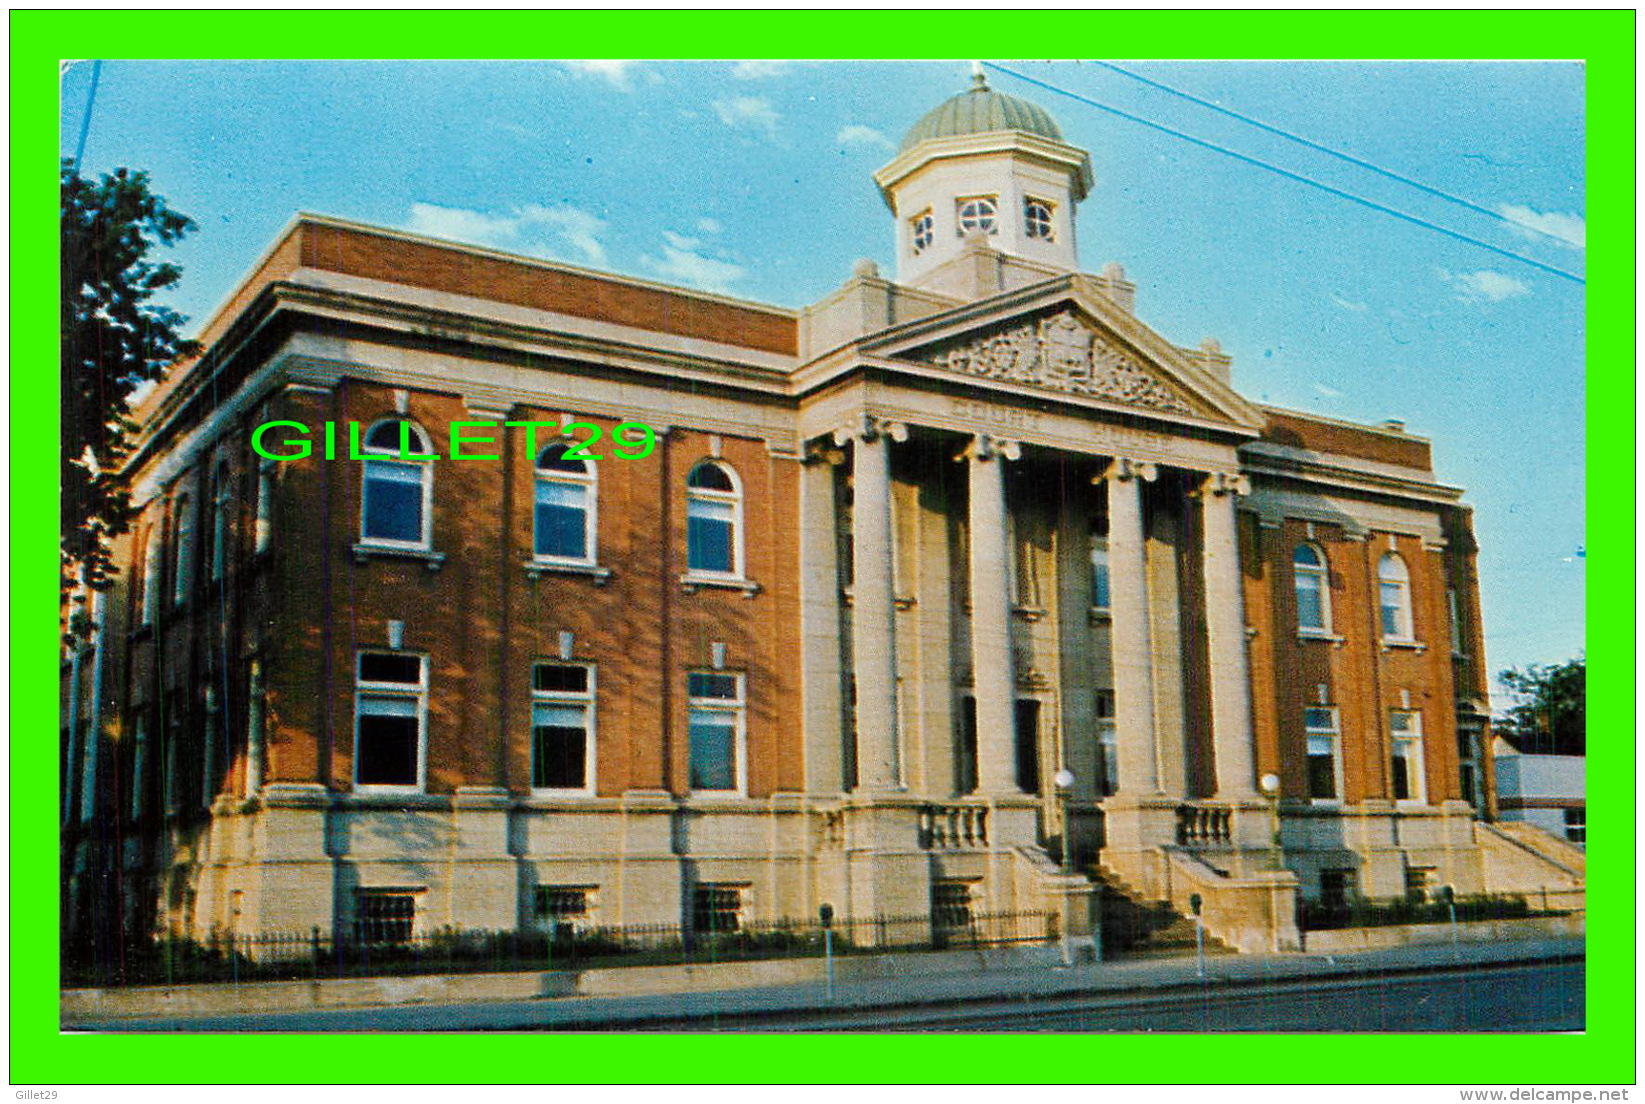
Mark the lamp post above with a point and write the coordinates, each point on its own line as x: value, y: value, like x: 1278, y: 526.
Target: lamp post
x: 1269, y: 783
x: 1064, y: 781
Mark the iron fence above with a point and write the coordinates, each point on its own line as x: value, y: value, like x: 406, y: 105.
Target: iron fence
x: 377, y: 950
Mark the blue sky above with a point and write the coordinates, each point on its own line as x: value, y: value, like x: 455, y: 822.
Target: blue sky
x: 754, y: 179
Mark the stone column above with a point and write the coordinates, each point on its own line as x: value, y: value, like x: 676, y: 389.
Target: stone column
x: 992, y: 677
x: 1231, y: 733
x: 1133, y: 647
x: 873, y: 612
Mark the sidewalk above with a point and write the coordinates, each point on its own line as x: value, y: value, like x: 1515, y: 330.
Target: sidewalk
x: 904, y: 987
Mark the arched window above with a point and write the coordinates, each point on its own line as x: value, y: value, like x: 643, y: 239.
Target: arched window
x: 1394, y: 585
x: 152, y: 550
x: 1312, y: 574
x: 182, y: 529
x: 396, y: 494
x: 563, y: 522
x: 222, y: 519
x: 713, y: 520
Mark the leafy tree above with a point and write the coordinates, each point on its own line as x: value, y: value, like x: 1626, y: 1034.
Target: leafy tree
x: 114, y: 339
x: 1550, y: 713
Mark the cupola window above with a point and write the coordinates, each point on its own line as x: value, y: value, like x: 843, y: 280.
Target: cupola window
x: 978, y: 213
x: 924, y: 231
x: 1036, y: 218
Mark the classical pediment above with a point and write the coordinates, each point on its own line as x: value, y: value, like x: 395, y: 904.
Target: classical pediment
x: 1059, y: 351
x: 1068, y: 342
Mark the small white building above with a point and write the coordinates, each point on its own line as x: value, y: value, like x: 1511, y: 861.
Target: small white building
x: 1549, y: 791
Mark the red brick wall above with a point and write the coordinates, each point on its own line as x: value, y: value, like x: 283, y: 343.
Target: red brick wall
x: 463, y: 272
x: 483, y: 621
x: 1297, y: 431
x: 1362, y: 677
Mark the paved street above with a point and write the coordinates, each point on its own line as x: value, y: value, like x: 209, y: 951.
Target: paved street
x: 1529, y: 997
x: 1520, y: 986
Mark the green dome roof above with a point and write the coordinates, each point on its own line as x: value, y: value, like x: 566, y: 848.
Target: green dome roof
x: 981, y: 110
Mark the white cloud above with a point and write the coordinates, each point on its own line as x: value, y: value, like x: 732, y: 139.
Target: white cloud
x: 684, y: 262
x: 748, y: 113
x: 709, y: 226
x: 615, y: 73
x: 1485, y: 286
x: 861, y: 137
x: 564, y: 231
x: 1349, y: 304
x: 575, y: 227
x: 459, y: 224
x: 759, y: 70
x: 1570, y: 230
x: 1328, y: 392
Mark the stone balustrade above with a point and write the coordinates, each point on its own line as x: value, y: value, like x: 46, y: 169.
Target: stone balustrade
x: 953, y: 827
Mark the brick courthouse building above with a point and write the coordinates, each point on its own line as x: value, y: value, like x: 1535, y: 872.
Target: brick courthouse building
x: 893, y: 562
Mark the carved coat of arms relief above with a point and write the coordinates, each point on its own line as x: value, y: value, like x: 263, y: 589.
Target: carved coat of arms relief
x: 1059, y: 353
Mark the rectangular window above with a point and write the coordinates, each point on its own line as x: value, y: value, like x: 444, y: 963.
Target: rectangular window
x: 709, y: 538
x: 264, y: 527
x: 1576, y: 825
x: 1456, y: 621
x: 222, y: 521
x: 716, y: 907
x: 1107, y: 743
x: 562, y: 904
x: 1468, y: 764
x: 951, y: 904
x: 182, y: 529
x: 384, y: 916
x: 1406, y: 728
x: 968, y: 745
x: 1099, y: 572
x: 393, y: 508
x: 1310, y: 602
x: 170, y: 758
x: 390, y: 712
x: 1028, y: 745
x: 153, y: 553
x: 562, y: 726
x: 715, y: 702
x: 1320, y: 724
x: 1336, y: 888
x: 139, y: 764
x: 562, y: 520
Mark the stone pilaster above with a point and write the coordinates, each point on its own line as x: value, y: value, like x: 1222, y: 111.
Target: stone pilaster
x: 993, y: 678
x: 873, y: 613
x: 820, y: 623
x: 1133, y: 650
x: 1231, y: 733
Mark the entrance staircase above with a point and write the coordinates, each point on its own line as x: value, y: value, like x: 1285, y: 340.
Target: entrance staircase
x: 1134, y: 927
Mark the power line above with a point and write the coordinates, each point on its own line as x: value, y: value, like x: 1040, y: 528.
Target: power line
x: 1340, y: 155
x: 85, y: 120
x: 1288, y: 174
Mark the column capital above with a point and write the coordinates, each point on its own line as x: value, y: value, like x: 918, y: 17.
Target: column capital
x: 986, y: 447
x: 870, y: 427
x: 1123, y: 469
x: 819, y: 452
x: 1216, y: 484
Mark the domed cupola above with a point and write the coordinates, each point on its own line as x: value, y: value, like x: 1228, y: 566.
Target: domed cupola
x: 981, y: 110
x: 984, y: 170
